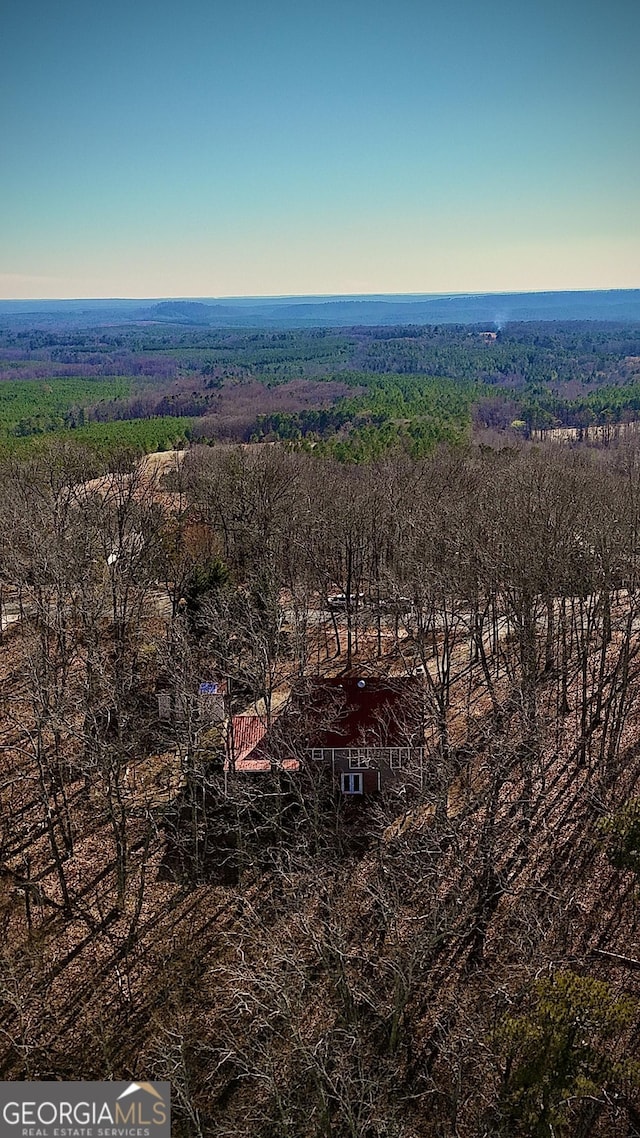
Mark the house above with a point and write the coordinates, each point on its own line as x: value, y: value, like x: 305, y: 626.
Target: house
x: 368, y: 731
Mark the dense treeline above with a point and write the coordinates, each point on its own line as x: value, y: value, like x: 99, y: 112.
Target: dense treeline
x: 30, y: 408
x: 412, y: 387
x: 606, y: 405
x: 138, y: 436
x: 456, y: 960
x: 390, y: 412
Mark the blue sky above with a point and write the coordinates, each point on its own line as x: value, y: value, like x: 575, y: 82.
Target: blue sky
x: 199, y: 149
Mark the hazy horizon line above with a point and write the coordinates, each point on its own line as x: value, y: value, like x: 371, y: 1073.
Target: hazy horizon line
x: 313, y: 296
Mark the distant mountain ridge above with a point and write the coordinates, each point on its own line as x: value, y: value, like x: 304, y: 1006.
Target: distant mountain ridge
x: 492, y: 309
x: 191, y: 311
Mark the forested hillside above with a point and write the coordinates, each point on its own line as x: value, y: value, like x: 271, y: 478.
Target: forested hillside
x: 457, y: 956
x: 335, y: 311
x: 354, y: 392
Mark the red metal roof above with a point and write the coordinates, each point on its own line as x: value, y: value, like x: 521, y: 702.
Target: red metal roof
x: 248, y: 731
x: 358, y: 711
x: 353, y: 711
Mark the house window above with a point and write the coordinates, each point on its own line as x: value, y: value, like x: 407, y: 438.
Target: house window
x: 395, y: 758
x: 357, y: 759
x: 351, y: 783
x: 317, y: 754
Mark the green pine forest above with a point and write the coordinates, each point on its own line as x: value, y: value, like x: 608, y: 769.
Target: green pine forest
x: 354, y: 394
